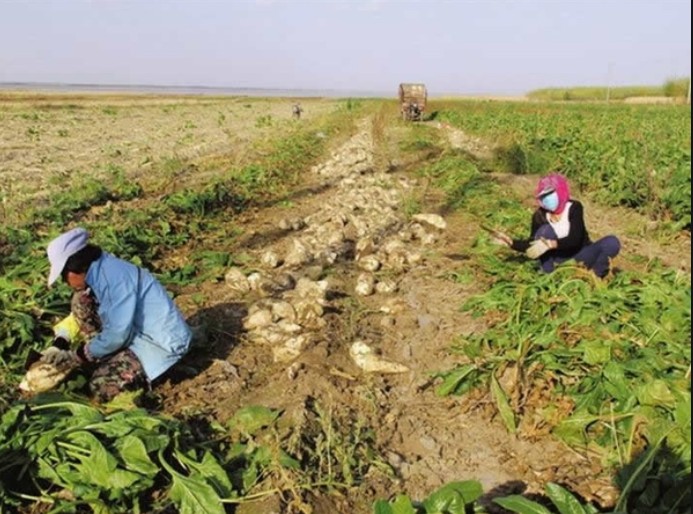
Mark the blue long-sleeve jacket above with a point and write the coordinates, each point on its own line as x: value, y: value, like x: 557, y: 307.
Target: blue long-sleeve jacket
x: 136, y: 312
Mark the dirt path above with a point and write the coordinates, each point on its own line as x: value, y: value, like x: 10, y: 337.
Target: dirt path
x: 343, y: 265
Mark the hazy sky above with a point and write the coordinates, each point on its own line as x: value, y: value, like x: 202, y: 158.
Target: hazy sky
x: 454, y: 46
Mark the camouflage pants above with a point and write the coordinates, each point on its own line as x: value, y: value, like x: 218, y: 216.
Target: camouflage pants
x: 84, y: 307
x: 119, y: 372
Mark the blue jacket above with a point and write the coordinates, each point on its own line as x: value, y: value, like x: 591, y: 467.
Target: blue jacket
x: 136, y: 312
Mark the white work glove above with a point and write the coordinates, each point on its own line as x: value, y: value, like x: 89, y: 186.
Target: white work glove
x: 537, y: 248
x: 60, y: 358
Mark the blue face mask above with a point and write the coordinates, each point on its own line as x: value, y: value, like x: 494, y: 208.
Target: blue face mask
x: 550, y: 201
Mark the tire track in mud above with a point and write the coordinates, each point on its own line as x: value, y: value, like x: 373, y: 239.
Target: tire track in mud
x: 344, y: 284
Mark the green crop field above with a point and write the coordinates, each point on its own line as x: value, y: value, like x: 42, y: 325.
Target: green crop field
x: 638, y: 157
x: 602, y: 366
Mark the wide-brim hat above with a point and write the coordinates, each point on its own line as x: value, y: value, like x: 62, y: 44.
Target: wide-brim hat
x: 62, y: 248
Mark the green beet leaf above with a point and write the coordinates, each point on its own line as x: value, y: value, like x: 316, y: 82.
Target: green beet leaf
x: 521, y: 505
x: 252, y: 418
x: 564, y: 501
x: 452, y: 497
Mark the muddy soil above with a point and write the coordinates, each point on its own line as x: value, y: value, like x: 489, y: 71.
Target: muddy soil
x: 427, y: 440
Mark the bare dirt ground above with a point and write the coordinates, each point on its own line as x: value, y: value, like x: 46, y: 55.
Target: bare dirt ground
x: 406, y: 308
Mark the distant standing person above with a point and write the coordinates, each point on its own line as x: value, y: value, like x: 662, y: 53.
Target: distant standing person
x: 414, y: 111
x: 297, y: 110
x: 558, y: 231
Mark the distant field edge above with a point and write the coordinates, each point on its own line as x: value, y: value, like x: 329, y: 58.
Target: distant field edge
x: 191, y: 90
x: 672, y: 91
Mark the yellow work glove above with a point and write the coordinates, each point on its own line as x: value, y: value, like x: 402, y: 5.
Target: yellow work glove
x: 67, y: 329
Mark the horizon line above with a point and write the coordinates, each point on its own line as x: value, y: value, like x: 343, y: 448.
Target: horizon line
x: 199, y: 88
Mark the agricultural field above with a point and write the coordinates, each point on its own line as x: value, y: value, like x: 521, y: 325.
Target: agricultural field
x: 360, y: 345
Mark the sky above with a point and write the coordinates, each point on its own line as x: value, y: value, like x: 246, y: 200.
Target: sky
x: 490, y: 47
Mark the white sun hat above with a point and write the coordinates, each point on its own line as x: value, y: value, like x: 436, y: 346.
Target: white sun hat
x: 62, y: 247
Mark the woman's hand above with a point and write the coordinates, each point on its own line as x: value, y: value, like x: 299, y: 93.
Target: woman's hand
x: 502, y: 239
x: 539, y: 247
x: 499, y: 238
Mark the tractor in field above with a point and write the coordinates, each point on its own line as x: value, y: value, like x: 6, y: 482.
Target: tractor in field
x: 412, y: 101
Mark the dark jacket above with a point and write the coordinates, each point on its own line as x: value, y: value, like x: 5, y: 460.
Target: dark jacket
x: 568, y: 246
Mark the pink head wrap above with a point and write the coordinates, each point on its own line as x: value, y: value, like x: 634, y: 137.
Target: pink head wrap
x: 554, y: 182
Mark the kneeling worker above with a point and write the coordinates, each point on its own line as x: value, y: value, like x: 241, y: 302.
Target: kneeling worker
x: 132, y: 329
